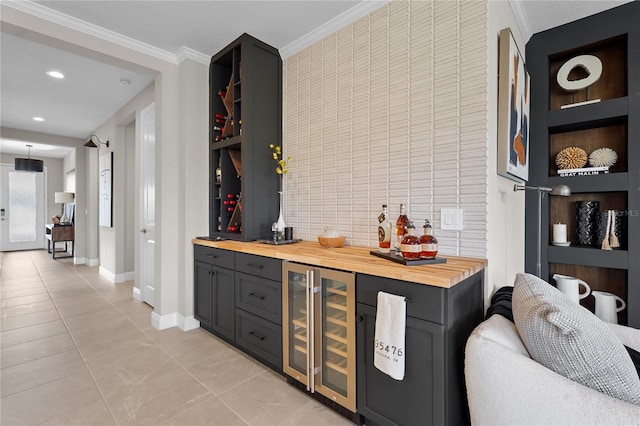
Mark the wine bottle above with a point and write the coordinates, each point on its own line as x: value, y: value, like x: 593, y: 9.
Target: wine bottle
x: 384, y: 231
x: 401, y: 226
x: 410, y: 246
x: 428, y: 242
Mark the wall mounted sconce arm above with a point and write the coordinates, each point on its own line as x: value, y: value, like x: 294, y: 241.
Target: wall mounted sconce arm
x: 91, y: 144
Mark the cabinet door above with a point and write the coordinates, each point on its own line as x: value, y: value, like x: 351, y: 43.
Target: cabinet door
x: 223, y: 294
x: 202, y: 294
x: 419, y: 397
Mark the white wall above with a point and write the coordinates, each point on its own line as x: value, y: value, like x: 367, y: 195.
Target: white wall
x: 112, y: 240
x: 505, y: 207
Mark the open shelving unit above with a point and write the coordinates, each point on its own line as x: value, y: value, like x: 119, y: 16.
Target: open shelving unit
x: 612, y: 121
x: 245, y: 116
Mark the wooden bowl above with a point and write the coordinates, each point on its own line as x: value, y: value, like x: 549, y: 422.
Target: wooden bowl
x: 331, y: 241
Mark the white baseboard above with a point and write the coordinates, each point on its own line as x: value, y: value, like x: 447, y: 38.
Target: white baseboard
x: 162, y: 322
x: 187, y: 323
x: 92, y: 262
x: 116, y: 279
x: 110, y: 276
x: 79, y: 260
x: 137, y: 294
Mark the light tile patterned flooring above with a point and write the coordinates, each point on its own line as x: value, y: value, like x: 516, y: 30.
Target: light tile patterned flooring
x: 76, y: 349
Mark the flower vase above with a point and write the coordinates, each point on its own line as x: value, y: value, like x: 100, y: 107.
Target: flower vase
x: 280, y: 225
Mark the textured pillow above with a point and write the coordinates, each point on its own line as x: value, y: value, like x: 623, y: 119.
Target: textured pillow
x: 571, y: 341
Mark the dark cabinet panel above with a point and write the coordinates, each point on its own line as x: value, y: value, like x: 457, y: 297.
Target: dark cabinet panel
x: 259, y: 296
x: 259, y: 337
x: 419, y: 397
x: 223, y: 302
x: 202, y: 293
x: 432, y: 391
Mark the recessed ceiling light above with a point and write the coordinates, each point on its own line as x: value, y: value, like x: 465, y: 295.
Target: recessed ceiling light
x: 38, y: 118
x: 55, y: 74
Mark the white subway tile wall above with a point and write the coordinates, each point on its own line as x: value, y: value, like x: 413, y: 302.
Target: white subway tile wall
x: 391, y: 109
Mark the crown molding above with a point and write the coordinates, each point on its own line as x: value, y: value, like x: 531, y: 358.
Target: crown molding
x: 43, y: 12
x: 361, y: 9
x: 521, y: 19
x: 188, y: 53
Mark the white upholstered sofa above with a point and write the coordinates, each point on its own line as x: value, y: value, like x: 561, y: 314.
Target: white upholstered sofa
x: 506, y: 387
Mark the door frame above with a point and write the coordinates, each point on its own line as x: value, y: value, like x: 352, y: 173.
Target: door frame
x: 141, y: 293
x: 41, y: 214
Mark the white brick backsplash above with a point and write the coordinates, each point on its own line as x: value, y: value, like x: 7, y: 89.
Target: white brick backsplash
x: 391, y: 109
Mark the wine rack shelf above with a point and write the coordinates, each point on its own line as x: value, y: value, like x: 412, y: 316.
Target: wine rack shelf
x: 245, y: 115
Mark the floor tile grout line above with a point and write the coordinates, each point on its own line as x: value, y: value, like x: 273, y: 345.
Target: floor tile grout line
x: 144, y: 333
x: 75, y: 343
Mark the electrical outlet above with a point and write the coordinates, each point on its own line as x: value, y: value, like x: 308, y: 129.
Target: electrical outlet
x: 451, y: 219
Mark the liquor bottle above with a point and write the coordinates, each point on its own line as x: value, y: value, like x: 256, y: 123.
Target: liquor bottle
x: 410, y: 246
x: 384, y: 231
x: 401, y: 225
x: 428, y: 242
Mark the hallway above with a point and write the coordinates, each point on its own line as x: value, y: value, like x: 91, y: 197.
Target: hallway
x: 76, y: 349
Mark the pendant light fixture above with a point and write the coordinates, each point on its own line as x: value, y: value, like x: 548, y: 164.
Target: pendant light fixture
x: 28, y: 164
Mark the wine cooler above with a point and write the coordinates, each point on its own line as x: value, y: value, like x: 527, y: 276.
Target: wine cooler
x: 319, y: 331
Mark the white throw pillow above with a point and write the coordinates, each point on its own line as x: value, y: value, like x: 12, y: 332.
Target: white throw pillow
x: 571, y: 341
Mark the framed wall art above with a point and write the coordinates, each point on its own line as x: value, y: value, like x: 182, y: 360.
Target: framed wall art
x: 106, y: 186
x: 513, y: 110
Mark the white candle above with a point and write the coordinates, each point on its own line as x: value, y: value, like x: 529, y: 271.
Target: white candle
x: 559, y: 233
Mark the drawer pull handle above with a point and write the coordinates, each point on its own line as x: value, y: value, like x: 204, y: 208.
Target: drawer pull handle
x: 256, y: 296
x: 261, y: 338
x: 359, y: 318
x: 255, y: 266
x: 211, y: 255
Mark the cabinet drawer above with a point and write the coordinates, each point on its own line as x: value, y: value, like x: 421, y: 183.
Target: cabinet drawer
x: 260, y: 266
x: 259, y: 296
x: 214, y: 256
x: 424, y: 301
x: 261, y: 338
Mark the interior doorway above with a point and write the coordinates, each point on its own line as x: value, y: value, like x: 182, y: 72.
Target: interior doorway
x: 147, y: 203
x: 22, y: 207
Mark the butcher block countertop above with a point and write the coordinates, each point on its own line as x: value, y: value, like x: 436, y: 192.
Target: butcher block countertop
x: 358, y: 259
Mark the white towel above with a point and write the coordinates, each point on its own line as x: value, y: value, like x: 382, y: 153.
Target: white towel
x: 388, y: 351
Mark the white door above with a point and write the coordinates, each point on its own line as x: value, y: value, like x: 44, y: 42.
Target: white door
x: 147, y: 203
x: 22, y: 206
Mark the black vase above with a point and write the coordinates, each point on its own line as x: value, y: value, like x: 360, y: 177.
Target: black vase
x: 601, y: 228
x: 586, y: 217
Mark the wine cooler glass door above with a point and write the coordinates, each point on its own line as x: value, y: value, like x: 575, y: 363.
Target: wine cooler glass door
x: 336, y: 339
x: 296, y: 332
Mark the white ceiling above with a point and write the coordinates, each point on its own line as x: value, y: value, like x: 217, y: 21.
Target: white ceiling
x: 91, y: 91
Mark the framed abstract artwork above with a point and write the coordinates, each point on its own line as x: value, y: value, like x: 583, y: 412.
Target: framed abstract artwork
x: 513, y: 110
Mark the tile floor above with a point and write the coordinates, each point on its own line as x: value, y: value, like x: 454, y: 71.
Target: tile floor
x: 76, y: 349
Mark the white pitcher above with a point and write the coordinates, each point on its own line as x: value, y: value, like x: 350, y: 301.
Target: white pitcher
x: 571, y: 287
x: 606, y: 306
